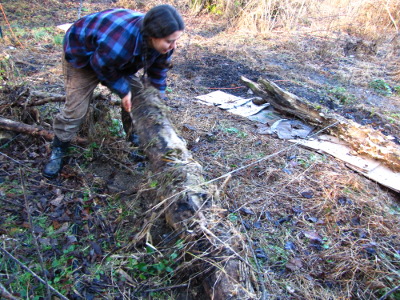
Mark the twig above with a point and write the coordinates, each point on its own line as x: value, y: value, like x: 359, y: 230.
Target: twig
x: 227, y: 88
x: 32, y: 273
x: 28, y: 212
x: 166, y: 288
x: 261, y: 280
x: 11, y: 202
x: 9, y: 26
x: 6, y: 294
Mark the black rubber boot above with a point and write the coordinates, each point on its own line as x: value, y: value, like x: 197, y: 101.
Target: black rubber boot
x: 56, y: 161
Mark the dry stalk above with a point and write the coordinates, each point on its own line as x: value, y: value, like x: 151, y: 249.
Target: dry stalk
x: 9, y: 26
x: 33, y: 273
x: 31, y: 227
x: 6, y: 294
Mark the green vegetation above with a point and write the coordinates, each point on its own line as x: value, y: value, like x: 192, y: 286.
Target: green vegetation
x: 233, y: 130
x: 89, y: 152
x: 341, y: 96
x: 160, y: 266
x: 381, y: 87
x: 116, y: 128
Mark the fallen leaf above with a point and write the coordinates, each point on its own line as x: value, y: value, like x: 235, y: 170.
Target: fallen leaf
x: 246, y: 211
x: 57, y: 201
x: 308, y: 194
x: 64, y: 228
x: 294, y: 264
x: 312, y: 235
x: 125, y: 275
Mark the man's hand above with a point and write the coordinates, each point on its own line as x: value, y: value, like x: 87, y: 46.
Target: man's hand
x: 127, y: 103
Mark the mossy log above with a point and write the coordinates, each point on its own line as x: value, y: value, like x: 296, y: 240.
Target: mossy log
x: 363, y: 140
x: 187, y: 203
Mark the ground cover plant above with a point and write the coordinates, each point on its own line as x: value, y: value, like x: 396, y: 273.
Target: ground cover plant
x: 317, y: 229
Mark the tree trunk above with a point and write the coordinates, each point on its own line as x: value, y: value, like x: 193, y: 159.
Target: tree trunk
x: 187, y: 202
x: 363, y: 140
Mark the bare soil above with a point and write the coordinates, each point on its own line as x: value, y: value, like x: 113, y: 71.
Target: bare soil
x: 319, y: 229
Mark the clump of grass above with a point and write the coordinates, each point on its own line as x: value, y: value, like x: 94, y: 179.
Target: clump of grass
x: 341, y: 96
x: 381, y: 87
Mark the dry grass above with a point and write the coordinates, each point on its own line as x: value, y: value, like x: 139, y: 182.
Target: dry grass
x: 362, y: 18
x: 324, y: 231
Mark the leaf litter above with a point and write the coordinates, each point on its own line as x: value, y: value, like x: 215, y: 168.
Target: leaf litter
x: 318, y: 229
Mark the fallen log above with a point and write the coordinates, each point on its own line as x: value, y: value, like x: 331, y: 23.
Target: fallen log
x: 19, y: 127
x: 363, y: 140
x: 187, y: 203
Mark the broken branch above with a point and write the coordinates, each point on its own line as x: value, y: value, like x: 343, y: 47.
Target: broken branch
x: 19, y: 127
x: 363, y: 140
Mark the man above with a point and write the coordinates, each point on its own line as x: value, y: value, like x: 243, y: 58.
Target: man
x: 110, y: 47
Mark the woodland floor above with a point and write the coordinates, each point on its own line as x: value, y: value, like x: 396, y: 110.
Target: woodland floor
x: 319, y: 229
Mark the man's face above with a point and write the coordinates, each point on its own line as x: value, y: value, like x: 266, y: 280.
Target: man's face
x: 163, y: 45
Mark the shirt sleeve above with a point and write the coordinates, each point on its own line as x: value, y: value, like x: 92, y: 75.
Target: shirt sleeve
x: 157, y: 71
x: 103, y: 61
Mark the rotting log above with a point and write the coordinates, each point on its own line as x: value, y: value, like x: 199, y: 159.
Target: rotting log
x: 19, y: 127
x: 187, y: 204
x: 363, y: 140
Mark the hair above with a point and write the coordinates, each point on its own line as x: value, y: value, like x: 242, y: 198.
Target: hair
x: 162, y: 21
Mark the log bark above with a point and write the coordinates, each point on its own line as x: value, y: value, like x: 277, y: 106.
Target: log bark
x: 364, y: 140
x: 11, y: 125
x: 19, y: 127
x: 187, y: 203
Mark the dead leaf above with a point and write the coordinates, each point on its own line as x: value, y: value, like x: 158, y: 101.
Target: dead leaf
x: 57, y: 201
x: 312, y: 235
x: 308, y: 194
x: 125, y: 275
x: 294, y: 264
x: 64, y: 228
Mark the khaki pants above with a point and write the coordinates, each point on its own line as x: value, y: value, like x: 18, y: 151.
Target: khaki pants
x: 79, y: 87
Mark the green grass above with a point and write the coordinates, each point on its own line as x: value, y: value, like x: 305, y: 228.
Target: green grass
x: 341, y: 96
x: 381, y: 87
x: 237, y: 132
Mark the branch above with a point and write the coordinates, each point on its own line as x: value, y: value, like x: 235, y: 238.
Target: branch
x: 28, y: 211
x: 32, y: 273
x: 15, y: 126
x: 389, y: 293
x: 6, y: 294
